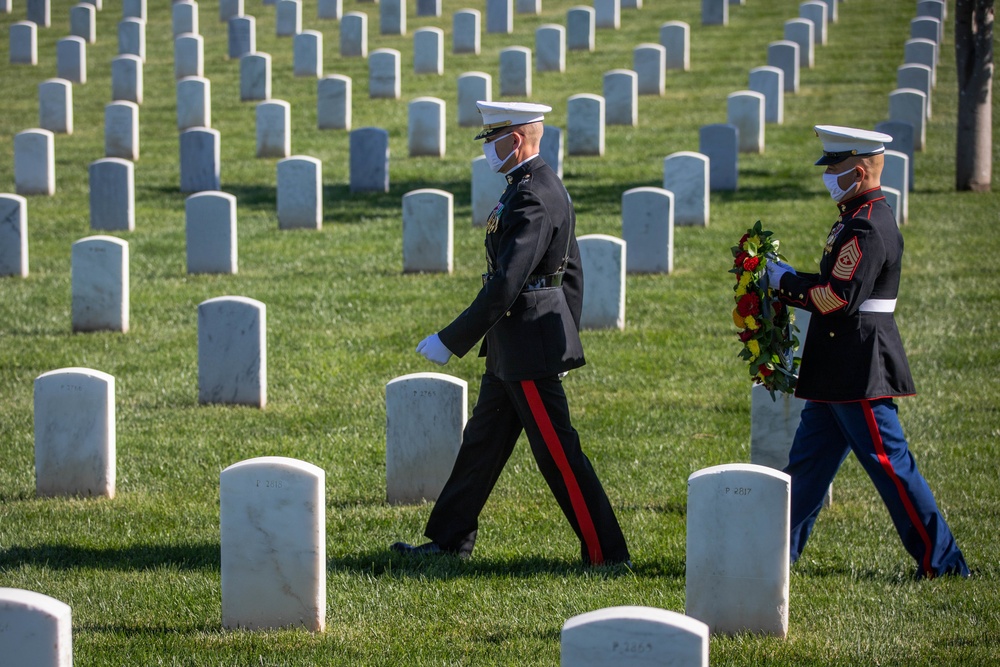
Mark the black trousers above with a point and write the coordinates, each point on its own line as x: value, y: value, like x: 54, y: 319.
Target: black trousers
x: 503, y: 411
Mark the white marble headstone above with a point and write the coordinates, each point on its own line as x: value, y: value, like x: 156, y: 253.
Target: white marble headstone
x: 425, y: 416
x: 194, y: 102
x: 274, y: 129
x: 648, y: 62
x: 255, y: 77
x: 13, y: 235
x: 132, y: 38
x: 428, y: 51
x: 585, y: 125
x: 550, y: 48
x: 551, y: 149
x: 134, y: 9
x: 199, y: 149
x: 100, y: 279
x: 384, y: 74
x: 210, y: 232
x: 500, y: 16
x: 34, y: 162
x: 817, y: 12
x: 241, y: 33
x: 74, y: 414
x: 37, y: 629
x: 603, y: 261
x: 126, y: 79
x: 715, y: 12
x: 330, y: 9
x: 909, y: 105
x: 307, y: 48
x: 487, y: 186
x: 189, y: 56
x: 71, y: 59
x: 919, y: 77
x: 633, y: 636
x: 288, y: 18
x: 334, y: 102
x: 23, y: 44
x: 55, y: 106
x: 784, y: 55
x: 466, y: 31
x: 229, y: 9
x: 607, y: 14
x: 272, y: 525
x: 473, y: 87
x: 40, y: 12
x: 392, y: 17
x: 300, y: 193
x: 769, y: 82
x: 675, y: 36
x: 745, y: 110
x: 429, y: 8
x: 621, y: 97
x: 83, y: 23
x: 232, y: 351
x: 112, y: 194
x: 895, y: 174
x: 425, y: 127
x: 515, y: 71
x: 354, y: 35
x: 648, y: 230
x: 121, y: 130
x: 802, y: 32
x: 686, y: 174
x: 720, y: 143
x: 428, y: 231
x: 369, y: 168
x: 580, y: 30
x: 184, y: 17
x: 921, y: 51
x: 737, y: 549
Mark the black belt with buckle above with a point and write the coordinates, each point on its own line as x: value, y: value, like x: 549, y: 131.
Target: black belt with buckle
x: 536, y: 281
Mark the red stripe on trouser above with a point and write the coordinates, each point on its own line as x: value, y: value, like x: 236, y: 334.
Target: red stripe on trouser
x: 911, y: 511
x: 551, y: 439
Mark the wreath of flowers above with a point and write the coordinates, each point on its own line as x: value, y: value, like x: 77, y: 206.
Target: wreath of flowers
x: 765, y: 324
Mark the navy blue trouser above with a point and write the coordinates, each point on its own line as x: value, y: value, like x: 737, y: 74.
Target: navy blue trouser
x: 827, y: 432
x: 539, y: 408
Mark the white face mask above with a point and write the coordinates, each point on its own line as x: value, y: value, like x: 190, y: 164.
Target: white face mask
x: 490, y: 151
x: 830, y: 181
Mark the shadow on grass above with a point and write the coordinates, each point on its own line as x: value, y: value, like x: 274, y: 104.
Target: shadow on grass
x: 340, y: 204
x: 136, y: 557
x: 389, y: 564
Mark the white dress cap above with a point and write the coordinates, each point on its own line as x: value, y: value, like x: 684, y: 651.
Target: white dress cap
x: 840, y: 143
x: 498, y: 115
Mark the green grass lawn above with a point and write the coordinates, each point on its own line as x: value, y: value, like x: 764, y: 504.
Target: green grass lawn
x: 658, y: 401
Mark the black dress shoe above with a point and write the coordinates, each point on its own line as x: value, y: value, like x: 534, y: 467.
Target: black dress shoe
x: 428, y: 549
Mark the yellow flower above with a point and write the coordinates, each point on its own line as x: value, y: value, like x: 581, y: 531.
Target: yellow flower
x: 755, y: 240
x: 750, y: 323
x: 754, y: 348
x: 745, y: 278
x: 740, y: 290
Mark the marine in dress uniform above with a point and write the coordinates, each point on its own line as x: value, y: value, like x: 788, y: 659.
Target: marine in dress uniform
x: 528, y: 316
x: 853, y: 364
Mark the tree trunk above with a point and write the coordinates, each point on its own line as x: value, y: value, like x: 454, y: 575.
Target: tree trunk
x: 974, y: 60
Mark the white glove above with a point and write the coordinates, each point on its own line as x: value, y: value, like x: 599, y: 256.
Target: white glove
x: 435, y: 351
x: 775, y: 269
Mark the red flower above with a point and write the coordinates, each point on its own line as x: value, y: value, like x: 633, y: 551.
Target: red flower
x: 745, y: 335
x: 765, y: 371
x: 740, y: 258
x: 748, y: 305
x: 743, y: 239
x: 750, y: 263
